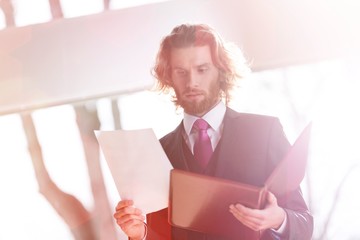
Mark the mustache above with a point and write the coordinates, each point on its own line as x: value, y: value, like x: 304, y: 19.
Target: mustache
x: 191, y: 91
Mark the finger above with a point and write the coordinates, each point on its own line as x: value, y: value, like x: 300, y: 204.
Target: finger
x: 129, y: 219
x: 128, y: 225
x: 254, y: 224
x: 124, y: 203
x: 246, y: 212
x: 247, y: 216
x: 248, y: 223
x: 126, y: 207
x: 131, y: 211
x: 271, y: 198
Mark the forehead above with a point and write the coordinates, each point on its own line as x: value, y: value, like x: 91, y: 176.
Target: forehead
x: 190, y: 56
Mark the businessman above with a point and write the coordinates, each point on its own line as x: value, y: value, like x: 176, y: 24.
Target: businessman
x: 200, y: 69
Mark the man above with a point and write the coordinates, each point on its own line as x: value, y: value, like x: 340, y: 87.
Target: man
x: 202, y: 69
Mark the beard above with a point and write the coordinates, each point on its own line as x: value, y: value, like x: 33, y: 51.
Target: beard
x: 201, y: 107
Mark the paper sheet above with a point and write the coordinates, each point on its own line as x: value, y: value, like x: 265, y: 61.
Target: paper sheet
x: 138, y: 165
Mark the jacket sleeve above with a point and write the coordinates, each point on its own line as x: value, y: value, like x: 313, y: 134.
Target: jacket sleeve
x: 158, y: 225
x: 299, y: 220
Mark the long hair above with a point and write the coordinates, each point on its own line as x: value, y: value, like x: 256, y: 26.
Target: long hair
x: 227, y: 57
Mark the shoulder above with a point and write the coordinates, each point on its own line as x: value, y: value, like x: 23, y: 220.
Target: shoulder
x: 252, y: 125
x: 249, y: 118
x: 173, y: 136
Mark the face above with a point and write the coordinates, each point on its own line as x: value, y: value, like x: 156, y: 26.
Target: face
x: 195, y: 79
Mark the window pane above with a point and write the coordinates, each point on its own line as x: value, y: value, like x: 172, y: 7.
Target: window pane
x: 31, y: 12
x: 77, y: 8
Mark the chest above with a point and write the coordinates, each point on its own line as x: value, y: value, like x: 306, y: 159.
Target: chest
x: 234, y: 158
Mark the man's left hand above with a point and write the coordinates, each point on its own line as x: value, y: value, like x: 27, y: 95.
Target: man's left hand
x: 272, y: 216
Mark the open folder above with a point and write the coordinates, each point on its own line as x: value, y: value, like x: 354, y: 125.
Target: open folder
x: 201, y: 203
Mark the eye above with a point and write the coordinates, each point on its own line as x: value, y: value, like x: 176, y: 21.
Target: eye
x: 203, y: 69
x: 180, y: 72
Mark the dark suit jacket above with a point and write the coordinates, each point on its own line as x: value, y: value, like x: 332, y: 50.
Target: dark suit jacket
x: 249, y: 149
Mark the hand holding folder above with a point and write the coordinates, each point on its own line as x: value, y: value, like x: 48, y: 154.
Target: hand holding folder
x: 201, y: 203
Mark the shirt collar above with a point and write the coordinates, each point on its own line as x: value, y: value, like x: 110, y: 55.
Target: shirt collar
x: 214, y: 118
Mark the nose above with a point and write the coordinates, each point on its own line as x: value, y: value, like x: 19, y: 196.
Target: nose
x: 192, y: 80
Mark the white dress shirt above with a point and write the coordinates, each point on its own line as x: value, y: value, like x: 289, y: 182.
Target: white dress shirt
x: 214, y: 118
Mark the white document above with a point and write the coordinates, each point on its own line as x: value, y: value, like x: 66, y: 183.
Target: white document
x: 138, y: 165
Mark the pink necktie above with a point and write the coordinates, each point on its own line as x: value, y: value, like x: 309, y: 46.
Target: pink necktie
x: 202, y: 146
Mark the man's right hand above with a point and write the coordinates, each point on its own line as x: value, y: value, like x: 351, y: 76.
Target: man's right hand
x: 130, y: 220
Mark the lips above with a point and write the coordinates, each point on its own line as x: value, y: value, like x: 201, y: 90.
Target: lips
x: 193, y: 93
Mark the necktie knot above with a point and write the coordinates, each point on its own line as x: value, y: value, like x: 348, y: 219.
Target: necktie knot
x: 201, y: 124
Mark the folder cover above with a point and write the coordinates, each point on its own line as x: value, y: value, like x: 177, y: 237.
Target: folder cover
x: 201, y: 203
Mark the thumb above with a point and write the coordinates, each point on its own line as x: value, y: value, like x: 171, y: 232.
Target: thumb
x: 271, y: 198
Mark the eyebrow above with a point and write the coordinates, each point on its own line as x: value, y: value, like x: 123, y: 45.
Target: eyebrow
x: 203, y: 65
x: 177, y: 68
x: 207, y: 64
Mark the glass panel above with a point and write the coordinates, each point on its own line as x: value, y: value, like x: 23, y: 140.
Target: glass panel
x: 117, y: 4
x: 2, y: 20
x: 81, y: 7
x: 31, y: 12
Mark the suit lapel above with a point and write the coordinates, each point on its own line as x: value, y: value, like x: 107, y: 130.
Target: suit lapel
x: 228, y: 147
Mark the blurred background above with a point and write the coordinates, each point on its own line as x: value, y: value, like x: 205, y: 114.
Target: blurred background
x: 70, y: 67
